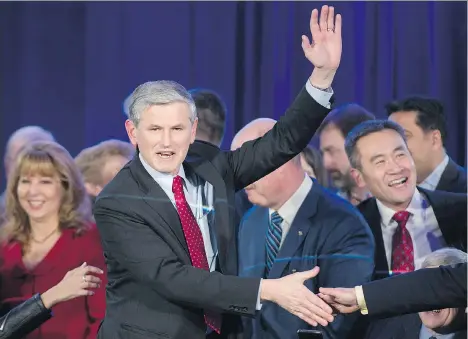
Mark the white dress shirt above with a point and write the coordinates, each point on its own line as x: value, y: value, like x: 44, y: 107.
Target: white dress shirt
x: 422, y: 226
x: 431, y: 182
x: 195, y: 196
x: 290, y: 208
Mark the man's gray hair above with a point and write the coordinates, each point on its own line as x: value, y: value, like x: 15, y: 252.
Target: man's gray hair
x: 155, y: 93
x: 445, y: 256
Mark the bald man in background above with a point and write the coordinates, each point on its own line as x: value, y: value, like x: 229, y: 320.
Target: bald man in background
x: 295, y: 217
x: 20, y: 138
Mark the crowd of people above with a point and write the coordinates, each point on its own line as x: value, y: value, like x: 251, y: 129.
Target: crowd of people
x: 168, y: 236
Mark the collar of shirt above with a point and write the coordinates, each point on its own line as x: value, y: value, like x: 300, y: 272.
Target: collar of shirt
x: 426, y: 333
x: 415, y: 208
x: 163, y: 179
x: 289, y: 209
x: 431, y: 182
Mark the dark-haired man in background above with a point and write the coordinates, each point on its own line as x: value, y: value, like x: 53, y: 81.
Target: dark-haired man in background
x: 211, y: 112
x: 332, y: 133
x: 425, y: 128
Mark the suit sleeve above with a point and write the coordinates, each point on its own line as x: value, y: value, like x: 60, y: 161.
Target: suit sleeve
x: 96, y: 304
x: 144, y: 253
x: 290, y: 135
x: 347, y: 260
x: 423, y: 290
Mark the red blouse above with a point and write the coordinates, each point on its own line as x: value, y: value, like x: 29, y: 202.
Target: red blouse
x: 74, y: 319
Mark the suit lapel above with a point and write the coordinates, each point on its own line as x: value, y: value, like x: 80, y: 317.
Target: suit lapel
x: 296, y: 235
x: 158, y: 200
x: 443, y: 214
x: 373, y: 218
x: 208, y: 172
x: 449, y: 177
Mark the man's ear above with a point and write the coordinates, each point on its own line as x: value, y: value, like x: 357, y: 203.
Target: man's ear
x: 131, y: 132
x: 93, y: 189
x: 436, y: 139
x: 358, y: 178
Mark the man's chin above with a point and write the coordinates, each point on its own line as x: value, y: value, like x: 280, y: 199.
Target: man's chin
x: 167, y: 168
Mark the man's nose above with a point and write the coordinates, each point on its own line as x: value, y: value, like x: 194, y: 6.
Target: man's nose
x: 394, y: 166
x: 328, y: 162
x: 166, y: 138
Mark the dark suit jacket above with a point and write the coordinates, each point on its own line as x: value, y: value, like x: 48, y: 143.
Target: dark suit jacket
x: 153, y: 290
x: 242, y: 204
x: 327, y: 231
x: 407, y: 326
x: 450, y: 210
x: 453, y: 178
x: 422, y: 290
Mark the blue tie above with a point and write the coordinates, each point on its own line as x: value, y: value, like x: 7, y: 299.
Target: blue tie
x: 273, y: 240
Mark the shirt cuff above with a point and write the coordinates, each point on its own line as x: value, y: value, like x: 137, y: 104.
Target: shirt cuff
x: 321, y: 96
x: 361, y: 300
x: 258, y: 307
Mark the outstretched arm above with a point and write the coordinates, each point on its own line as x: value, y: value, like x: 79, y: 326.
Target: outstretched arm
x: 295, y: 129
x: 423, y: 290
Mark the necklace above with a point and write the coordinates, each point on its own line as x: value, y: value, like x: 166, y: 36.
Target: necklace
x: 46, y: 237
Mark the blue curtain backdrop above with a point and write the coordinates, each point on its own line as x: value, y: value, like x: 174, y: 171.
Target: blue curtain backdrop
x: 68, y: 66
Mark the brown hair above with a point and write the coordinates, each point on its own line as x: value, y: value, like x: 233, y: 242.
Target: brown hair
x: 48, y: 159
x: 92, y: 160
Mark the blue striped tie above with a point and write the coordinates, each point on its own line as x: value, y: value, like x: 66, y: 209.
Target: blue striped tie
x: 273, y: 240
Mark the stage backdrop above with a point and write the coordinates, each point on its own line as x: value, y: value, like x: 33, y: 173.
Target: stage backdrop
x: 68, y: 66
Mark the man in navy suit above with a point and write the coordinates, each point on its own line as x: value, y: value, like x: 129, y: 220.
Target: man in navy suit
x: 295, y: 225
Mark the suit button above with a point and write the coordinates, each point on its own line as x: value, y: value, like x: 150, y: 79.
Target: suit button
x: 293, y: 271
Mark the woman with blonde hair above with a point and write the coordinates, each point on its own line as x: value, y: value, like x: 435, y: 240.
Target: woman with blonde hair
x: 48, y: 231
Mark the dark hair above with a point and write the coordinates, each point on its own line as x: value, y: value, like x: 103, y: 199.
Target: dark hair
x: 364, y: 129
x: 211, y: 112
x: 314, y: 159
x: 430, y: 113
x: 346, y: 117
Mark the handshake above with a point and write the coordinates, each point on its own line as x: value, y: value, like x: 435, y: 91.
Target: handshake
x: 290, y: 293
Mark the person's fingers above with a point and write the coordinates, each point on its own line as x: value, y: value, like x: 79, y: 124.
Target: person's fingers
x: 332, y: 292
x: 315, y: 314
x: 338, y: 24
x: 308, y: 274
x: 92, y: 278
x: 93, y: 269
x: 331, y: 19
x: 327, y: 298
x: 92, y: 285
x: 314, y: 25
x: 305, y: 43
x: 323, y: 18
x: 311, y: 298
x: 310, y: 320
x: 321, y: 309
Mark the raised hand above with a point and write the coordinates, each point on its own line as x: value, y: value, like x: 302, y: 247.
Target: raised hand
x: 78, y: 282
x: 324, y: 52
x: 344, y: 300
x: 290, y: 293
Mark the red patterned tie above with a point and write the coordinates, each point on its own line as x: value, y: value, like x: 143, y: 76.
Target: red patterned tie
x: 402, y: 246
x: 194, y: 239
